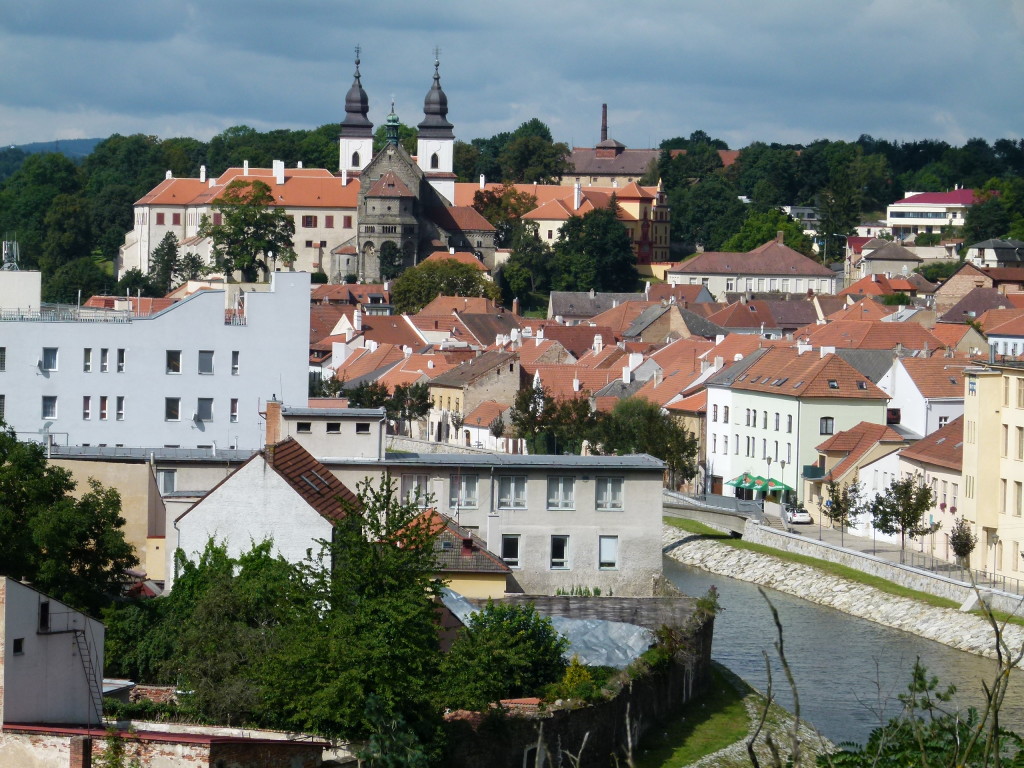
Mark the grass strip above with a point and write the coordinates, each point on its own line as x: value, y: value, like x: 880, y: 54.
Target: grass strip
x: 842, y: 571
x: 705, y: 725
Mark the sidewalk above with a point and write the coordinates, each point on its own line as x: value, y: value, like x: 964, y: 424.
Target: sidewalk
x: 886, y: 550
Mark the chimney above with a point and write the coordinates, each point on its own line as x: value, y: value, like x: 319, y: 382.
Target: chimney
x: 779, y: 236
x: 635, y: 358
x: 598, y: 343
x: 279, y: 172
x: 168, y: 175
x: 273, y: 425
x: 627, y: 375
x: 387, y: 286
x: 451, y: 249
x: 483, y: 182
x: 344, y: 177
x: 406, y: 351
x: 497, y: 340
x: 245, y: 168
x: 357, y: 319
x: 577, y: 196
x: 202, y: 173
x: 430, y: 364
x: 575, y: 384
x: 719, y: 362
x: 604, y: 122
x: 540, y: 334
x: 299, y: 164
x: 657, y: 377
x: 467, y: 546
x: 515, y: 306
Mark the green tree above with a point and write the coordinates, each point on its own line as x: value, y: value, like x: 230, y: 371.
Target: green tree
x: 533, y: 159
x: 368, y: 394
x: 392, y: 262
x: 528, y: 267
x: 69, y: 547
x: 636, y: 425
x: 707, y: 213
x: 68, y: 234
x: 962, y: 540
x: 407, y: 403
x: 530, y: 418
x: 133, y: 282
x: 164, y: 264
x: 901, y: 508
x: 594, y: 252
x: 78, y: 279
x: 759, y: 228
x: 504, y: 209
x: 420, y: 285
x: 986, y: 219
x: 843, y: 505
x: 250, y: 230
x: 505, y: 651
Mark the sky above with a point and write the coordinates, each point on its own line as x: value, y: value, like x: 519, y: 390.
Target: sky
x: 742, y: 70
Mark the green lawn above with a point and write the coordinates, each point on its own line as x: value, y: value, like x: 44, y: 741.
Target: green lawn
x: 842, y: 571
x: 706, y: 725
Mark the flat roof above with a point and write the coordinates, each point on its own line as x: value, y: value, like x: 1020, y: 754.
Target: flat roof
x: 97, y: 452
x: 342, y: 413
x: 640, y: 461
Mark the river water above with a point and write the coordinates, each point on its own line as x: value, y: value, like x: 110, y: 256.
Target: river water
x: 848, y: 671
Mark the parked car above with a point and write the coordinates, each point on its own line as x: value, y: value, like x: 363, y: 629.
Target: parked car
x: 797, y: 515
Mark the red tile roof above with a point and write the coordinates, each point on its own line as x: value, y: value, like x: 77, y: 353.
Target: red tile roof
x: 391, y: 329
x: 870, y: 334
x: 462, y: 257
x: 937, y: 377
x: 310, y: 479
x: 944, y: 447
x: 785, y: 372
x: 445, y: 305
x: 956, y: 197
x: 578, y: 338
x: 302, y: 188
x: 141, y: 306
x: 389, y: 185
x: 855, y: 444
x: 559, y: 381
x: 485, y: 413
x: 772, y: 258
x: 862, y: 310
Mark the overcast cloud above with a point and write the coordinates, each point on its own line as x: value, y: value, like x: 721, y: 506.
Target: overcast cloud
x: 742, y: 70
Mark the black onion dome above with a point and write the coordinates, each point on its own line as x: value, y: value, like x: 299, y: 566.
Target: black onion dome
x: 435, y: 108
x: 356, y: 104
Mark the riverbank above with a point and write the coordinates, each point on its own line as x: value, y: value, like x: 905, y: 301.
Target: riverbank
x: 963, y: 631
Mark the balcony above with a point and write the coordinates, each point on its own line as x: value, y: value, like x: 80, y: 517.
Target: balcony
x: 813, y: 472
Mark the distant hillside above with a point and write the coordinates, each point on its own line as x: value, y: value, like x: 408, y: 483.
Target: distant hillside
x: 73, y: 148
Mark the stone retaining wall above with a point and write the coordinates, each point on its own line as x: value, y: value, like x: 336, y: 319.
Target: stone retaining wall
x: 963, y: 631
x: 912, y: 578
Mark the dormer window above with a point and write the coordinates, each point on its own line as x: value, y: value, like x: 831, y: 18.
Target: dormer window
x: 833, y: 384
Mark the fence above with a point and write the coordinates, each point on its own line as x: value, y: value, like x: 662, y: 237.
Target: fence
x: 925, y: 562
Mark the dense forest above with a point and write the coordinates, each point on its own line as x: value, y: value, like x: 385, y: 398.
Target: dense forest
x: 71, y: 215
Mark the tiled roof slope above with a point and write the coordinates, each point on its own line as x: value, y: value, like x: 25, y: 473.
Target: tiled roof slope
x: 310, y: 479
x: 451, y: 552
x: 870, y: 334
x: 784, y: 371
x: 944, y: 447
x: 855, y: 443
x: 937, y: 377
x: 772, y: 258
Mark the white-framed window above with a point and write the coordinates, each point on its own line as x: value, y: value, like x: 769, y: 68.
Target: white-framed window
x: 204, y: 409
x: 104, y: 360
x: 119, y: 405
x: 87, y: 359
x: 49, y: 359
x: 103, y: 407
x: 206, y: 361
x: 172, y: 409
x: 607, y: 553
x: 559, y: 552
x: 827, y: 425
x: 510, y: 549
x: 86, y: 407
x: 120, y: 360
x: 3, y: 405
x: 462, y: 491
x: 415, y: 491
x: 512, y: 492
x: 234, y: 363
x: 49, y: 406
x: 173, y: 361
x: 166, y: 480
x: 233, y: 413
x: 562, y: 492
x: 609, y: 493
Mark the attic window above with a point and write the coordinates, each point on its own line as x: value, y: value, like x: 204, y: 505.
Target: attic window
x: 783, y: 381
x: 753, y: 308
x: 797, y: 385
x: 833, y: 384
x: 862, y: 385
x: 952, y: 380
x: 754, y: 380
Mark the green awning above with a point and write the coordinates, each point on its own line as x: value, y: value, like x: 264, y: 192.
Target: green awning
x: 777, y: 485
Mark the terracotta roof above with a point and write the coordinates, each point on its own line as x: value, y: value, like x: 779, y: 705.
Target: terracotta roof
x: 785, y: 372
x: 772, y: 258
x: 459, y: 550
x: 302, y: 188
x: 695, y: 403
x: 956, y: 197
x: 485, y: 327
x: 855, y: 443
x: 937, y: 377
x: 468, y: 372
x: 463, y: 257
x: 485, y: 413
x: 741, y: 344
x: 864, y: 309
x: 976, y: 302
x: 682, y: 353
x: 542, y: 193
x: 944, y: 447
x: 669, y: 387
x: 363, y: 362
x: 621, y: 317
x: 350, y: 293
x: 310, y: 479
x: 389, y: 185
x: 553, y: 210
x: 950, y: 334
x: 609, y: 355
x: 530, y: 352
x: 445, y: 305
x: 460, y: 218
x: 560, y: 381
x: 323, y: 318
x: 391, y: 329
x: 142, y: 306
x: 1012, y: 327
x: 870, y: 334
x: 579, y: 338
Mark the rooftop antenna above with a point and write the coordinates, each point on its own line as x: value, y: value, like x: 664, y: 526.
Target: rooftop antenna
x: 10, y: 254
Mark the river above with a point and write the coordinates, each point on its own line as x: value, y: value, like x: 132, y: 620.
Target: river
x: 848, y: 671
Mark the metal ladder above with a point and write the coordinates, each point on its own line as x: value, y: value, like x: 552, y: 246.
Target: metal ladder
x: 95, y: 689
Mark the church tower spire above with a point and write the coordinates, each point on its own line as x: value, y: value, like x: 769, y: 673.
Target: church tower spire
x: 356, y: 135
x: 435, y: 147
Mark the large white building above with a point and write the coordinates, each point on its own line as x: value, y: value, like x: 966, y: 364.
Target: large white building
x: 193, y: 375
x: 928, y: 212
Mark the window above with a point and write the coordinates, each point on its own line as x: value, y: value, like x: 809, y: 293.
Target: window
x: 434, y: 161
x: 18, y: 646
x: 559, y: 552
x: 49, y: 406
x: 510, y: 549
x: 328, y: 222
x: 347, y: 220
x: 103, y: 407
x: 233, y: 413
x: 308, y: 222
x: 725, y: 413
x: 159, y: 219
x: 714, y: 413
x: 87, y: 359
x: 166, y: 480
x: 234, y: 363
x: 764, y: 421
x: 1006, y: 381
x: 204, y: 409
x: 561, y: 492
x: 355, y: 158
x: 512, y: 492
x: 1006, y: 440
x: 176, y: 219
x: 206, y: 361
x: 725, y: 444
x: 304, y: 427
x: 609, y: 493
x: 119, y: 404
x: 362, y: 427
x: 172, y: 408
x: 777, y: 422
x: 1018, y: 498
x: 943, y: 420
x: 104, y: 360
x: 827, y: 424
x: 462, y: 491
x: 607, y: 552
x: 173, y: 361
x: 789, y: 422
x: 414, y: 490
x: 120, y: 361
x: 49, y: 360
x: 3, y: 405
x: 86, y: 407
x: 333, y: 427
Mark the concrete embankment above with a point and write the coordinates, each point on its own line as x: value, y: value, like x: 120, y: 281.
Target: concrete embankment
x: 963, y: 631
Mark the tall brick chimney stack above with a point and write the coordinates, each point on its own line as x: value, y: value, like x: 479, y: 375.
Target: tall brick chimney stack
x: 273, y: 422
x: 604, y: 122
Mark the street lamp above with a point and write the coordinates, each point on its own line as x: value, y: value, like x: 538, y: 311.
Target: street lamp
x: 767, y: 488
x: 782, y: 477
